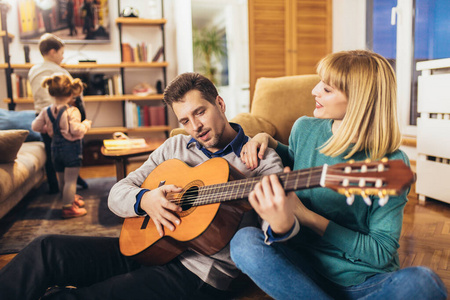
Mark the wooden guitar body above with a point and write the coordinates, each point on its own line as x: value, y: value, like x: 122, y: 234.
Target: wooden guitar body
x: 204, y: 228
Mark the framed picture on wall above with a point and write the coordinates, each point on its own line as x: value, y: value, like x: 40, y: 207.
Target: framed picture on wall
x: 74, y: 21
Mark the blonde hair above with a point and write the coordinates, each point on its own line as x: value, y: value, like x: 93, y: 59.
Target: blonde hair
x: 62, y: 86
x: 370, y: 122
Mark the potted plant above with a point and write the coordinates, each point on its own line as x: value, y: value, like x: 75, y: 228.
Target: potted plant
x: 208, y: 45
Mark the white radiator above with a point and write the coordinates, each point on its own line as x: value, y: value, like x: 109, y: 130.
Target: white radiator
x: 433, y: 131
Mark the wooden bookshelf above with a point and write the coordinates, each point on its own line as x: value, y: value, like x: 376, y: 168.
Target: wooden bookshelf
x: 117, y: 68
x: 100, y: 98
x: 96, y: 65
x: 2, y: 34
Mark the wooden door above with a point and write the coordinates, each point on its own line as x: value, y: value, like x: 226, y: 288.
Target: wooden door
x: 287, y: 37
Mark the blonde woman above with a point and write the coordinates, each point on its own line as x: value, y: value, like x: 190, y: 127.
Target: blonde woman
x: 329, y: 249
x: 63, y: 123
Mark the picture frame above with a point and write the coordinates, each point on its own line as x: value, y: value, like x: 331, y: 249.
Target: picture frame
x: 74, y: 21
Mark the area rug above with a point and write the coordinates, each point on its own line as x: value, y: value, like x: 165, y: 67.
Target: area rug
x: 40, y: 213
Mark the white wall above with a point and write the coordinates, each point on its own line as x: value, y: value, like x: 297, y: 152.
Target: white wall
x: 349, y: 24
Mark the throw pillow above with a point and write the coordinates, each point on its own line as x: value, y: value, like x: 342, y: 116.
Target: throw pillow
x: 10, y: 143
x: 10, y: 119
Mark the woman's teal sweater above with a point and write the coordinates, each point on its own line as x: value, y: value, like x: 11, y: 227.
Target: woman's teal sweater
x: 360, y: 240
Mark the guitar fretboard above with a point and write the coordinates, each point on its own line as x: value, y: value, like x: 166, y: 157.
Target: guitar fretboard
x: 240, y: 189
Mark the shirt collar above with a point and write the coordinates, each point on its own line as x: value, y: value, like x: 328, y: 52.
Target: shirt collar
x: 234, y: 146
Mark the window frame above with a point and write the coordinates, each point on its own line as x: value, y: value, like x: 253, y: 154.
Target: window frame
x: 403, y: 15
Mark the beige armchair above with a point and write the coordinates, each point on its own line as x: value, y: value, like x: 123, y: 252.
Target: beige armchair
x: 276, y: 104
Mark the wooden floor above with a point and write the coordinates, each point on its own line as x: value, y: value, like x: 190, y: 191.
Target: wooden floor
x: 425, y: 238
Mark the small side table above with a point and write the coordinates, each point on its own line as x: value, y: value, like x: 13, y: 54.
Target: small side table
x: 121, y: 156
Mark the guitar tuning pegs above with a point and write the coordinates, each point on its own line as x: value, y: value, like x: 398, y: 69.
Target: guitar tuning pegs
x: 350, y: 198
x: 366, y: 198
x: 383, y: 198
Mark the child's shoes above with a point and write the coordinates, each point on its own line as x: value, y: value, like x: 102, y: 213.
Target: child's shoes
x: 78, y: 201
x: 73, y: 211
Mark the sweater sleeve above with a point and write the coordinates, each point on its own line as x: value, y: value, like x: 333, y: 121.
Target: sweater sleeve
x: 285, y: 154
x: 76, y: 128
x: 122, y: 197
x: 38, y: 123
x: 271, y: 164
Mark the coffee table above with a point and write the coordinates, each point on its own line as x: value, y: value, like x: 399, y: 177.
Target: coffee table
x: 121, y: 156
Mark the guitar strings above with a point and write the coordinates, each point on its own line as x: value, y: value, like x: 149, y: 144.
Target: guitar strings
x: 191, y: 197
x: 250, y: 182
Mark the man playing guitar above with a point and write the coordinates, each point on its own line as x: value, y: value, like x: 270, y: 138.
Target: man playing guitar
x: 97, y: 267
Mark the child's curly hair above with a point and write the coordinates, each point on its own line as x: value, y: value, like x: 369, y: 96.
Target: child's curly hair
x: 61, y: 85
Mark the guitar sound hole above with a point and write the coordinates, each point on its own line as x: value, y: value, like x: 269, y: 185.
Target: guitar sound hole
x: 189, y: 198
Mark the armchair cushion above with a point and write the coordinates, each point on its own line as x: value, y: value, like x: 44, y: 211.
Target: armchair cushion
x: 177, y: 131
x: 253, y: 125
x: 283, y: 100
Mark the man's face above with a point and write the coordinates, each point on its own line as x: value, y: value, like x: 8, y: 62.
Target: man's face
x: 203, y: 120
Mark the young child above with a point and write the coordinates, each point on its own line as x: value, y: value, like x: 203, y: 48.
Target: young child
x: 63, y: 124
x: 52, y: 50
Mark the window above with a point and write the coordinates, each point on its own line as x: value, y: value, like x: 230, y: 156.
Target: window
x: 406, y: 32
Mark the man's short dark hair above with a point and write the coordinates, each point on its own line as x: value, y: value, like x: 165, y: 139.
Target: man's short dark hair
x: 186, y: 82
x: 48, y: 42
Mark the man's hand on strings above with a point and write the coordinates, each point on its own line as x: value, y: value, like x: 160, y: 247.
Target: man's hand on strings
x: 160, y: 209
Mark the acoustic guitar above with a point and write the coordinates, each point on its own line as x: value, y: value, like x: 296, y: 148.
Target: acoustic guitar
x: 214, y: 196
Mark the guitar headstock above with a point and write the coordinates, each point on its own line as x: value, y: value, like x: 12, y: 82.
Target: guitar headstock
x: 382, y: 178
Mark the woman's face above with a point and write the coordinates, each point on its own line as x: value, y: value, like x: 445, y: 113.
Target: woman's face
x: 330, y: 102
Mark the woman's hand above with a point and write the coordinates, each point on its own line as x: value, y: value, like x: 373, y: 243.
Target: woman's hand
x: 255, y: 148
x: 160, y: 209
x: 270, y: 201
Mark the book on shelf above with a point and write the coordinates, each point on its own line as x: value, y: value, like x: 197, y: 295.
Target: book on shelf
x: 110, y: 90
x: 127, y: 53
x: 121, y: 144
x: 135, y: 54
x: 113, y: 85
x: 157, y: 115
x: 144, y: 115
x: 158, y: 54
x: 117, y: 84
x: 21, y: 86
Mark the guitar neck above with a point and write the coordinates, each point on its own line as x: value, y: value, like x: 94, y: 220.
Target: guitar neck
x: 240, y: 189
